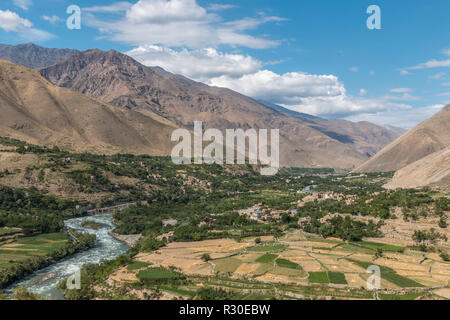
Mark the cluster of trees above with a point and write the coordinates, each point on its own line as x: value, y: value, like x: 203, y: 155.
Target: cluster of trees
x: 424, y: 238
x: 33, y: 211
x: 344, y: 228
x: 26, y: 267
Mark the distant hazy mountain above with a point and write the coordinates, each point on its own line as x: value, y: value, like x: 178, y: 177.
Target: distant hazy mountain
x: 120, y: 80
x: 33, y: 56
x: 364, y: 137
x: 428, y: 137
x: 34, y: 110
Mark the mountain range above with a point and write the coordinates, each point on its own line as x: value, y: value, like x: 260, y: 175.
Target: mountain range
x: 166, y: 101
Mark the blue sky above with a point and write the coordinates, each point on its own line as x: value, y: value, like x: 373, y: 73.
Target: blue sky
x: 313, y: 56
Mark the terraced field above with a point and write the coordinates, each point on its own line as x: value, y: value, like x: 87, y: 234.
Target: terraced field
x: 296, y: 266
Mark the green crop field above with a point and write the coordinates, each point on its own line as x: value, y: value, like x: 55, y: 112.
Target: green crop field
x: 337, y: 277
x: 157, y: 274
x: 268, y: 248
x: 137, y: 265
x: 25, y: 248
x: 266, y: 258
x: 382, y: 246
x: 288, y: 264
x: 318, y: 277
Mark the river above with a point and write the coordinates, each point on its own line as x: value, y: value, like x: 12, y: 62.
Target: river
x: 44, y: 281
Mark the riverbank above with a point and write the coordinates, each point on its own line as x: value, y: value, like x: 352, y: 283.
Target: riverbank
x: 18, y: 271
x: 44, y: 281
x: 129, y: 239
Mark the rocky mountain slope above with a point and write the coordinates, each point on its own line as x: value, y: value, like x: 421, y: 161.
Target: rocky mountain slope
x: 33, y: 56
x: 34, y: 110
x: 428, y: 137
x: 433, y: 170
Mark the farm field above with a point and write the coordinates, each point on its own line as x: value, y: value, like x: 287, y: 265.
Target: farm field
x: 14, y: 251
x: 295, y: 266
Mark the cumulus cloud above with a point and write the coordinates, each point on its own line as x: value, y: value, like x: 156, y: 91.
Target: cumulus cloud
x: 12, y: 22
x: 446, y: 52
x: 200, y: 65
x: 177, y: 23
x: 24, y: 4
x: 362, y: 92
x: 288, y: 88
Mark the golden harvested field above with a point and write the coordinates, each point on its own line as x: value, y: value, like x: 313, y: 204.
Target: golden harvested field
x: 300, y: 257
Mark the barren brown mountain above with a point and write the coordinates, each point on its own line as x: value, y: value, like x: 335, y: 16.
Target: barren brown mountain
x: 433, y: 170
x: 34, y: 110
x: 428, y: 137
x: 120, y: 80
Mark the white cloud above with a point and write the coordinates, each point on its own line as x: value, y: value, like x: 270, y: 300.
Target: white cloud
x: 437, y: 76
x: 401, y: 90
x: 404, y: 72
x: 404, y: 118
x: 372, y: 73
x: 200, y: 65
x: 220, y: 7
x: 354, y: 69
x: 446, y: 52
x: 117, y: 7
x: 446, y: 84
x: 431, y: 64
x: 24, y: 4
x: 289, y: 88
x: 177, y: 23
x: 52, y: 19
x: 362, y: 92
x: 12, y: 22
x: 443, y: 94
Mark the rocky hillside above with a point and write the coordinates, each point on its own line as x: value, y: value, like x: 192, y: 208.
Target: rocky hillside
x: 33, y: 56
x: 120, y: 80
x: 428, y: 137
x: 36, y: 111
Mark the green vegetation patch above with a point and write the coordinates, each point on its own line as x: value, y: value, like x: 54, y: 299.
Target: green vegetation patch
x: 318, y: 277
x: 407, y: 296
x: 382, y: 246
x: 284, y: 263
x: 266, y: 258
x: 157, y: 274
x: 337, y: 277
x: 137, y: 265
